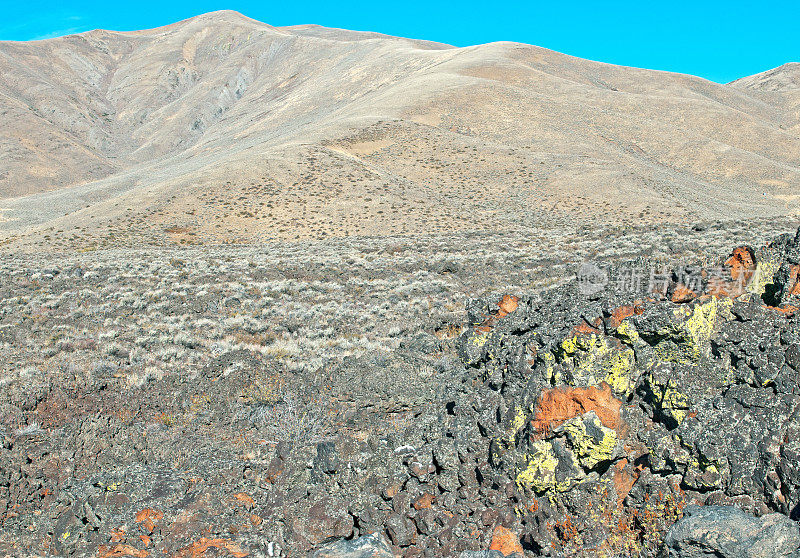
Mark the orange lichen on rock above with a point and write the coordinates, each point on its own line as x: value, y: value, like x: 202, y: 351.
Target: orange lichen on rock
x: 794, y: 276
x: 789, y: 310
x: 559, y: 404
x: 505, y: 541
x: 147, y: 518
x: 623, y: 480
x: 199, y: 548
x: 506, y: 306
x: 585, y: 328
x: 424, y: 502
x: 682, y: 294
x: 392, y: 490
x: 624, y: 312
x: 717, y: 287
x: 120, y: 551
x: 742, y: 263
x: 245, y: 499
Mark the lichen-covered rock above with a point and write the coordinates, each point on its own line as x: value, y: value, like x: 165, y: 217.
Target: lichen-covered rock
x: 727, y: 532
x: 505, y: 541
x: 637, y: 405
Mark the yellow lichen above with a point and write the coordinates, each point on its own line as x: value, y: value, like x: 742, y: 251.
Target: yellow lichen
x: 763, y: 275
x: 700, y: 325
x: 593, y: 359
x: 591, y: 442
x: 517, y: 422
x: 674, y: 404
x: 478, y: 339
x: 688, y: 340
x: 670, y: 402
x: 706, y: 472
x: 619, y: 371
x: 628, y: 332
x: 540, y: 472
x: 593, y: 447
x: 552, y: 375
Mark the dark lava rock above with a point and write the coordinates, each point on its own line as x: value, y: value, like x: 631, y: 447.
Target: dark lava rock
x: 660, y: 389
x: 727, y: 532
x: 326, y: 460
x: 368, y: 546
x: 580, y: 422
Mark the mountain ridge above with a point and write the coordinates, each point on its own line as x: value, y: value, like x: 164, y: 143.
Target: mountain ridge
x: 784, y: 77
x: 162, y: 120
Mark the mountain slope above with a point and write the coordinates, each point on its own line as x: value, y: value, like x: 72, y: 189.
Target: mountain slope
x: 221, y: 128
x: 782, y: 78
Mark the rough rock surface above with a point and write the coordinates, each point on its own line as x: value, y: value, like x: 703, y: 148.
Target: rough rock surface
x: 727, y: 532
x: 368, y: 546
x: 607, y: 411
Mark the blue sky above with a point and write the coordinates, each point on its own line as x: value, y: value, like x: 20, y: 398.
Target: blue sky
x: 718, y: 40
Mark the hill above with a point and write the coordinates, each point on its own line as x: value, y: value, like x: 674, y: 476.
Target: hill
x: 222, y: 129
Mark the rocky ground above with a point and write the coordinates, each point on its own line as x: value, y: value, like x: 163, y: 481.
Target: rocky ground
x: 413, y: 396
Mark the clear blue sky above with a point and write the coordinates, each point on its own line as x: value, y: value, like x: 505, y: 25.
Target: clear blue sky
x: 719, y: 40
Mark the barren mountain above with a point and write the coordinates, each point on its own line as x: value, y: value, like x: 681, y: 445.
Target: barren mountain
x: 224, y: 129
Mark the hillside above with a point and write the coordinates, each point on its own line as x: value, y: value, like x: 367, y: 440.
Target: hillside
x: 224, y: 129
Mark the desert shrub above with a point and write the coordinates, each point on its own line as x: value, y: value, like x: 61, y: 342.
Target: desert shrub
x: 611, y: 530
x: 32, y: 429
x: 266, y: 392
x: 293, y: 418
x: 282, y: 413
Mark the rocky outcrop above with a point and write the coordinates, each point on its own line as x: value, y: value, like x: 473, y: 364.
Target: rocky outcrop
x: 368, y: 546
x: 588, y: 421
x: 613, y: 408
x: 727, y: 532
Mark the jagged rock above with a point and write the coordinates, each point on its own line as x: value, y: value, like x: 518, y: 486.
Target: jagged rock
x: 582, y: 423
x: 727, y: 532
x: 402, y: 530
x: 327, y: 460
x: 367, y: 546
x: 644, y: 405
x: 505, y: 541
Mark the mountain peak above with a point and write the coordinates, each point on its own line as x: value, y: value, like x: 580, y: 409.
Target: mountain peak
x: 216, y: 18
x: 231, y: 16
